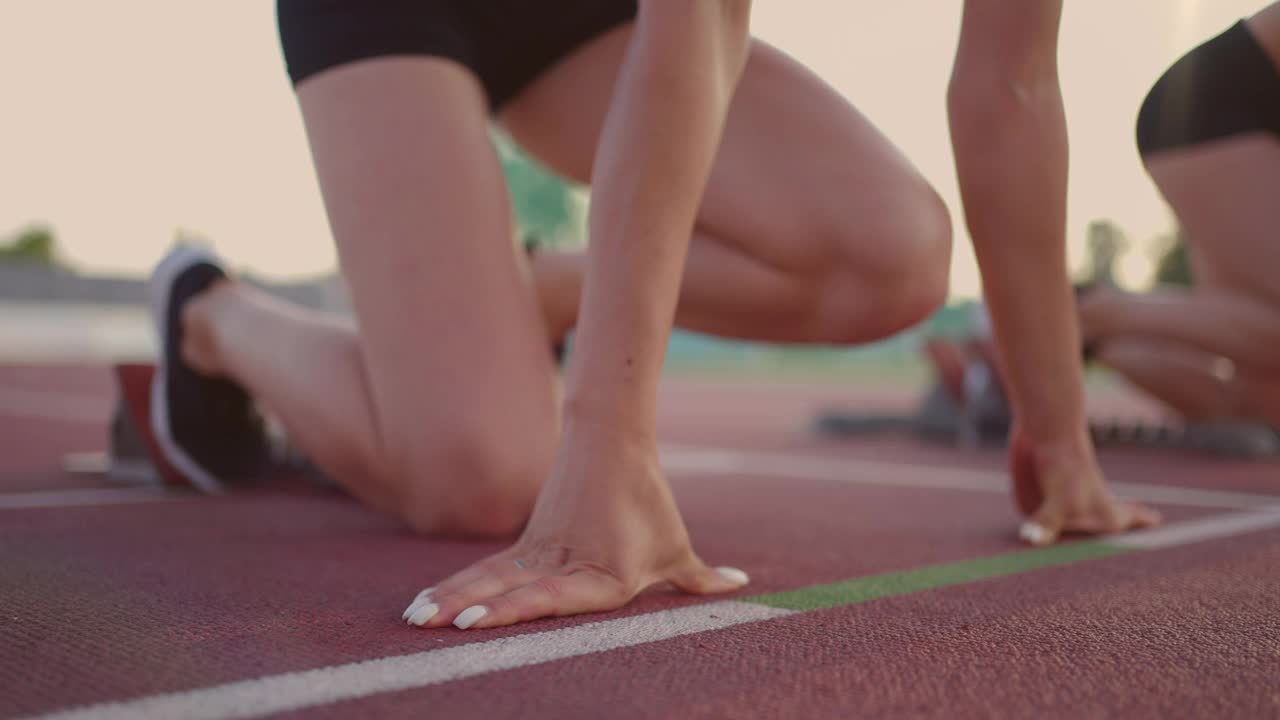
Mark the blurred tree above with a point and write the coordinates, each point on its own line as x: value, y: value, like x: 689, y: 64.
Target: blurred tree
x: 1173, y: 263
x: 543, y: 202
x: 35, y: 245
x: 1105, y: 242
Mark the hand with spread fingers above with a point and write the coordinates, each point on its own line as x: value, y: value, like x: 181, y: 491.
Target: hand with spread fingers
x: 605, y: 528
x: 1061, y: 490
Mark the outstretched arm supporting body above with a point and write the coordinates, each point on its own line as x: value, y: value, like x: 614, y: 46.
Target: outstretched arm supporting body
x: 1010, y: 136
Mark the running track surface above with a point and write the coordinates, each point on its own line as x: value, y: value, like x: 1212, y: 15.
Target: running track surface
x: 886, y: 582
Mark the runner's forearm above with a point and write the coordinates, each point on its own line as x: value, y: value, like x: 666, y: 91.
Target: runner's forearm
x: 656, y: 150
x: 1009, y: 132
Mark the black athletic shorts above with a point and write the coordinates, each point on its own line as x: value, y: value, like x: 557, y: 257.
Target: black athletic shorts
x: 506, y: 43
x: 1228, y: 86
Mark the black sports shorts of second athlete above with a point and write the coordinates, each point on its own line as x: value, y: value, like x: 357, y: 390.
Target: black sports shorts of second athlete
x: 1226, y: 87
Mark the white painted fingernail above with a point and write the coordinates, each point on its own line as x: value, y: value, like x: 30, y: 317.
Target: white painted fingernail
x: 1034, y: 533
x: 409, y: 610
x: 413, y: 608
x: 425, y: 594
x: 423, y: 614
x: 468, y: 617
x: 733, y: 575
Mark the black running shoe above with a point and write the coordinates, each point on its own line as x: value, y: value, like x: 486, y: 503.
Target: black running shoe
x: 207, y: 427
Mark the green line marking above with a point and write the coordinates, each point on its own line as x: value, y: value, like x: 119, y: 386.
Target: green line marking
x: 859, y: 590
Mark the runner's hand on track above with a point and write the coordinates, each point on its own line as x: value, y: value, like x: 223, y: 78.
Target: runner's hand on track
x: 1061, y: 489
x: 605, y: 528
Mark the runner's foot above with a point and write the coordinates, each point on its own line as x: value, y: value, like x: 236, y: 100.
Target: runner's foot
x: 207, y: 427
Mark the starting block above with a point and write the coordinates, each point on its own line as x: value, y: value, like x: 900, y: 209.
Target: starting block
x: 134, y: 458
x: 972, y: 411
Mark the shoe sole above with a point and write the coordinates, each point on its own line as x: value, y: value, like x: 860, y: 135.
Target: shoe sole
x: 158, y: 296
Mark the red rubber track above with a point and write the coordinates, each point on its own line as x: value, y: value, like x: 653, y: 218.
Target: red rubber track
x: 116, y: 602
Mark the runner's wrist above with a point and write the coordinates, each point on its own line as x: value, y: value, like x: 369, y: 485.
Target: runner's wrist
x: 613, y: 417
x: 1067, y: 433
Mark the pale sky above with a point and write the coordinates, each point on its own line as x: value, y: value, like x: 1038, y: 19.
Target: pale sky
x: 123, y: 121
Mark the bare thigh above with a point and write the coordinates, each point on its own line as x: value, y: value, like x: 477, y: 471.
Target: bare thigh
x: 457, y: 362
x: 1224, y: 194
x: 802, y: 181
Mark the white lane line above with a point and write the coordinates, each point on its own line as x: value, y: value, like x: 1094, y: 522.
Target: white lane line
x: 1194, y: 531
x: 1193, y: 497
x: 293, y: 691
x: 90, y: 497
x: 44, y: 405
x: 723, y: 461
